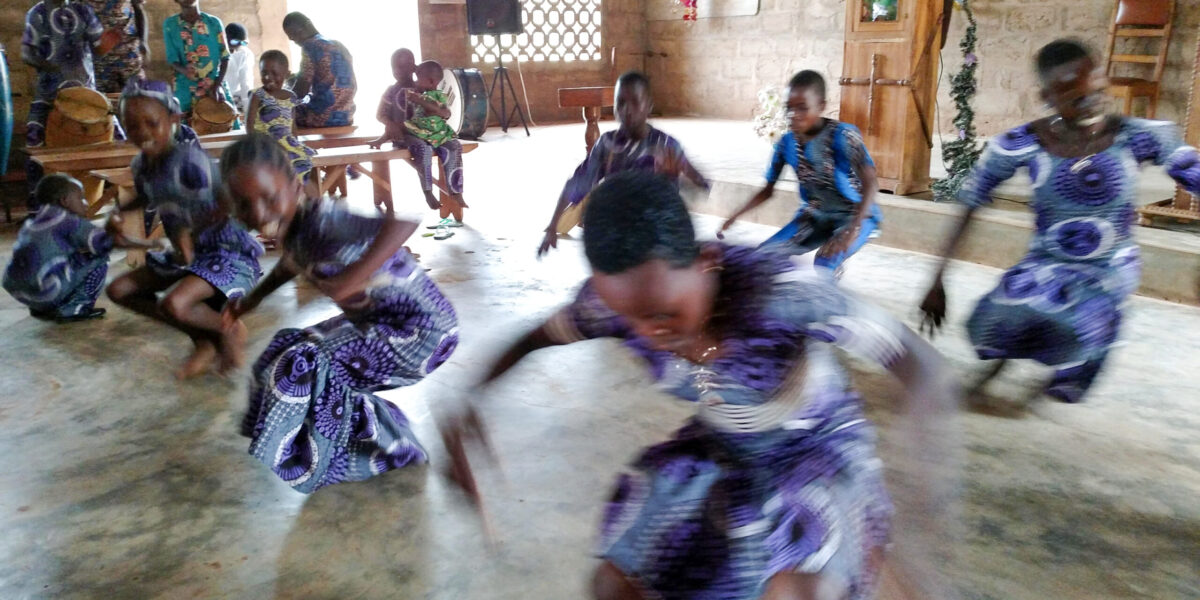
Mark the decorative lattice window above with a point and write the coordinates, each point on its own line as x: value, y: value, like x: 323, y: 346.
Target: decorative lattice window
x: 555, y: 30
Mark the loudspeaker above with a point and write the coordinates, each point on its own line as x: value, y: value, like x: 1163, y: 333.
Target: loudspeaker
x: 491, y: 17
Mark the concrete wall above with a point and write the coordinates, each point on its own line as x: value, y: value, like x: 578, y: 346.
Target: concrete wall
x: 716, y: 66
x: 444, y: 38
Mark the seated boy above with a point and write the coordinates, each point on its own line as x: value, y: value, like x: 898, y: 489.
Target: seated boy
x: 60, y: 259
x: 425, y: 131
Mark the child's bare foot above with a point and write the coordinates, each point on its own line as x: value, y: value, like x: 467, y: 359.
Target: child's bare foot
x: 432, y: 200
x: 199, y: 362
x: 233, y: 347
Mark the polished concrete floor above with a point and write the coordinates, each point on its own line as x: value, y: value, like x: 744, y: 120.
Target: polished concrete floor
x: 122, y: 483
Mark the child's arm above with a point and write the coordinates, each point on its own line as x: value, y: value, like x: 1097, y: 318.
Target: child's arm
x: 391, y: 237
x: 778, y: 162
x: 283, y: 272
x: 392, y: 132
x: 870, y: 186
x: 431, y: 107
x: 754, y: 202
x: 143, y: 33
x: 252, y: 112
x: 586, y: 176
x: 185, y: 248
x: 115, y: 228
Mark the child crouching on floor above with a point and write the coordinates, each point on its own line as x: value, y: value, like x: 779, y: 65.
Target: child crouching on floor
x: 60, y: 259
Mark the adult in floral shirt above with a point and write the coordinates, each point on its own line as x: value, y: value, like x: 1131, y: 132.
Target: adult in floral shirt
x: 197, y: 53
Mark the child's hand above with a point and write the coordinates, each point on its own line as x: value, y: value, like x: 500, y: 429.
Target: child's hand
x: 933, y: 308
x: 728, y: 223
x: 548, y: 242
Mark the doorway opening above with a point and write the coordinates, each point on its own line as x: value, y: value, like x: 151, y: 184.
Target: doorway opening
x: 371, y: 30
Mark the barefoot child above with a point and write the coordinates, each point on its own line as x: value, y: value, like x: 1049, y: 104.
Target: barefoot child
x: 214, y: 258
x: 313, y: 417
x: 774, y: 485
x: 838, y: 213
x: 60, y: 259
x: 1062, y: 304
x: 635, y: 145
x: 271, y: 111
x: 426, y: 132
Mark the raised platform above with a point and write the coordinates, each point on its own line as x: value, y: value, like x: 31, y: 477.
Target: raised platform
x: 729, y: 153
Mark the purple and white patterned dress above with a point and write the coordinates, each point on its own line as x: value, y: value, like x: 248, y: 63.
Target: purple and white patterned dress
x: 59, y: 263
x: 1061, y: 304
x: 313, y: 416
x: 615, y: 152
x: 777, y: 471
x: 181, y: 188
x: 65, y: 37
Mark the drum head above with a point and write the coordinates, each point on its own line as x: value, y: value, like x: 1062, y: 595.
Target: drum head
x: 213, y: 111
x: 82, y: 105
x: 454, y: 92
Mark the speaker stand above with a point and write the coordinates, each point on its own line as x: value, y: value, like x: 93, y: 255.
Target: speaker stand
x: 500, y: 77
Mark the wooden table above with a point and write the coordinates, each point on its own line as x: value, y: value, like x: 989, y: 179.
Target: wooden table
x: 591, y: 100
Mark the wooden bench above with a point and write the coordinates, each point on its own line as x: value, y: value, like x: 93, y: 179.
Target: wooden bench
x: 110, y: 162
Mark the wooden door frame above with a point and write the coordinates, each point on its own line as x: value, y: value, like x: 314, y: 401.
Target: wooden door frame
x: 923, y: 45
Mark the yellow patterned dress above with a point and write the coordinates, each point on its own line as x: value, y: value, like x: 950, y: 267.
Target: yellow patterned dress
x: 275, y: 119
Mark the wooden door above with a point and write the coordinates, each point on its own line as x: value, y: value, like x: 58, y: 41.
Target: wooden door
x: 889, y: 78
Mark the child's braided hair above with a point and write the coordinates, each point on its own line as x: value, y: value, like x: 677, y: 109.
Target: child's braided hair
x: 254, y: 149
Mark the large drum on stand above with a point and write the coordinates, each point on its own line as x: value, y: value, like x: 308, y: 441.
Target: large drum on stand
x: 80, y: 116
x: 468, y: 102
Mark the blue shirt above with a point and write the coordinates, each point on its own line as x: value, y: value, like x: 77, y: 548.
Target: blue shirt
x: 827, y: 167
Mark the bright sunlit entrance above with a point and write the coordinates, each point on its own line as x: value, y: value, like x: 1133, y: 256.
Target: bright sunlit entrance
x: 371, y: 30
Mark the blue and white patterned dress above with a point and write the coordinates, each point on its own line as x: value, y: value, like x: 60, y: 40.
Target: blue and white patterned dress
x: 59, y: 263
x: 777, y: 471
x: 313, y: 416
x: 827, y: 167
x: 1061, y: 304
x: 181, y: 188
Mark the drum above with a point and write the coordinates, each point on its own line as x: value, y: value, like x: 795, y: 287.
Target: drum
x: 468, y: 102
x: 211, y: 116
x: 80, y: 116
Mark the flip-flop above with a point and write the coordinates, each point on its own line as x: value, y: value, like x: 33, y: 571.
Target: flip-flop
x: 443, y: 235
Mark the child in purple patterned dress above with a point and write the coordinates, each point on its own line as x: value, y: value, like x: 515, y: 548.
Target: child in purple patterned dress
x: 313, y: 417
x: 1062, y: 304
x: 773, y: 490
x: 214, y: 258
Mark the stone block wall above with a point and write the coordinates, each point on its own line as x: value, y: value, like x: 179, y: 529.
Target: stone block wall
x: 715, y: 67
x: 1011, y: 31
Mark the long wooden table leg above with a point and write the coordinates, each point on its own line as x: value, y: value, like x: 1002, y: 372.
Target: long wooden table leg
x: 381, y: 173
x: 591, y: 116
